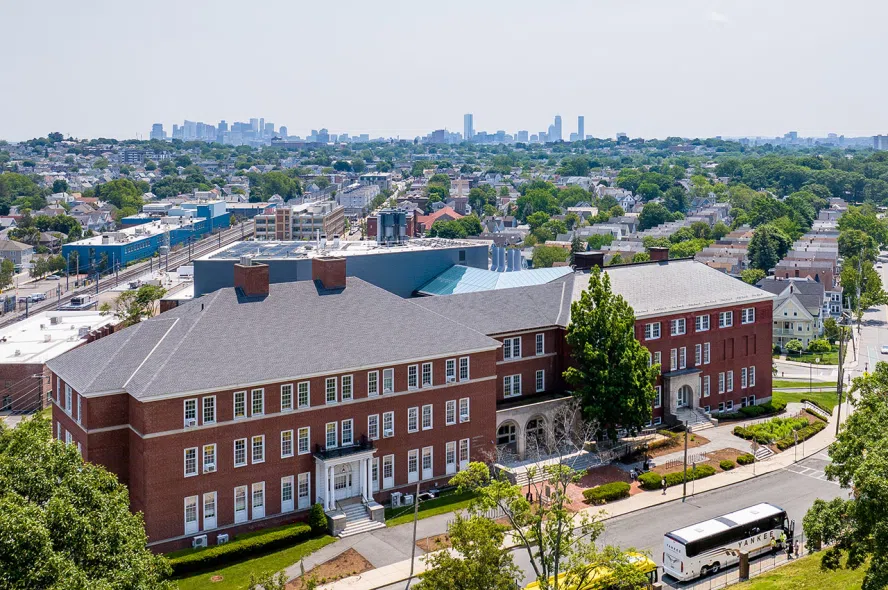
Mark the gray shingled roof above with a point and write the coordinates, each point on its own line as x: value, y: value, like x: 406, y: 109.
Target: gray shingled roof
x: 810, y: 293
x: 221, y: 340
x: 502, y: 311
x: 660, y: 288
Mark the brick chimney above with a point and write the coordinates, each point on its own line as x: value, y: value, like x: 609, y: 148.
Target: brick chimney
x: 329, y: 271
x: 588, y: 260
x: 658, y: 253
x: 251, y: 278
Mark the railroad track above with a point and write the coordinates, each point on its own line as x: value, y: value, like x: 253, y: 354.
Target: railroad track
x: 175, y: 259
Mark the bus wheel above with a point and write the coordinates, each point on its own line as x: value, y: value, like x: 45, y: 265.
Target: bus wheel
x: 715, y: 567
x: 704, y: 571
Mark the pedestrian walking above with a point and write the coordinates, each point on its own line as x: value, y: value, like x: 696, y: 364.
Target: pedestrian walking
x: 796, y: 548
x: 663, y: 483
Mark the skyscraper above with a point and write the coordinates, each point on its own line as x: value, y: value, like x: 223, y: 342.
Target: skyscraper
x: 468, y: 127
x: 283, y: 131
x: 581, y: 127
x: 557, y: 127
x: 157, y: 132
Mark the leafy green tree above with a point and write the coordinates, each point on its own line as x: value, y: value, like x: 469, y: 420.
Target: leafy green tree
x: 65, y: 523
x: 537, y: 219
x: 60, y: 185
x: 819, y: 345
x: 7, y: 272
x: 576, y: 166
x: 481, y: 562
x: 652, y: 215
x: 132, y: 306
x: 571, y: 195
x: 610, y: 373
x: 854, y: 242
x: 648, y: 191
x: 481, y: 196
x: 598, y: 241
x: 852, y: 528
x: 122, y: 193
x: 720, y: 230
x: 639, y: 257
x: 865, y: 219
x: 547, y: 256
x: 794, y: 346
x: 767, y: 246
x: 268, y: 581
x: 571, y: 220
x: 617, y: 259
x: 100, y: 163
x: 688, y: 248
x: 752, y: 275
x: 451, y: 230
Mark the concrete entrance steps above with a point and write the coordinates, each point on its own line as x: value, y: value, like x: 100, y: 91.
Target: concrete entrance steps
x: 579, y: 461
x: 763, y: 453
x: 357, y: 520
x: 696, y: 420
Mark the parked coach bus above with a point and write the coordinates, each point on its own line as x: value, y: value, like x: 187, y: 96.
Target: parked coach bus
x: 599, y: 578
x: 706, y: 547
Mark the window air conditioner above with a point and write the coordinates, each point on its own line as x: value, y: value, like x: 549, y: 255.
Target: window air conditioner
x: 451, y: 379
x: 209, y: 467
x: 388, y: 432
x: 199, y: 541
x: 222, y: 539
x: 463, y: 417
x: 190, y: 422
x: 388, y: 390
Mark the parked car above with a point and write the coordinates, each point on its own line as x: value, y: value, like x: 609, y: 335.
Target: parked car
x: 34, y: 297
x: 885, y: 349
x: 53, y: 278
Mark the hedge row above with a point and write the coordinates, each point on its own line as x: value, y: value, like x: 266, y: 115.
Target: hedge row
x: 654, y: 481
x: 753, y: 411
x: 190, y: 561
x: 746, y: 459
x: 803, y: 434
x: 607, y: 492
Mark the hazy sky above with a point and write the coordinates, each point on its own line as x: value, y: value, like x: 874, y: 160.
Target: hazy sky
x: 649, y: 68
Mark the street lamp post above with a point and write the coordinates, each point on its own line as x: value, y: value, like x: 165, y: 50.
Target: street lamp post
x: 841, y: 376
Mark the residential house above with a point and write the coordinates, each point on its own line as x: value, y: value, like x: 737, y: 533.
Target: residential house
x: 799, y: 309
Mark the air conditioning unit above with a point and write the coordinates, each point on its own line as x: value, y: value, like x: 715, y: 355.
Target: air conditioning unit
x: 396, y: 499
x: 222, y: 539
x: 388, y: 390
x: 388, y: 432
x: 451, y: 379
x: 463, y: 417
x: 189, y: 422
x: 199, y: 541
x: 408, y: 500
x: 209, y: 467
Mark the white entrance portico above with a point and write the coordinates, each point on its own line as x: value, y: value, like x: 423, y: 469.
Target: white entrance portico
x: 343, y: 473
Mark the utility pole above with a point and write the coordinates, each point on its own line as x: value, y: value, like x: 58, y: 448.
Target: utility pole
x: 840, y: 380
x: 684, y: 483
x: 413, y: 545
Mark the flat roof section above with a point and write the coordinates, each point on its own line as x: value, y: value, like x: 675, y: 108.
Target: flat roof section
x: 46, y: 335
x: 140, y: 232
x: 310, y: 249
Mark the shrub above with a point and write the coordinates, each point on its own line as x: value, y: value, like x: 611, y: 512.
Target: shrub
x: 774, y: 429
x: 650, y: 480
x: 726, y: 465
x: 762, y: 409
x: 189, y: 561
x: 803, y: 434
x: 654, y: 481
x: 317, y: 520
x: 777, y: 349
x: 819, y: 345
x: 794, y: 346
x: 746, y: 459
x: 607, y: 492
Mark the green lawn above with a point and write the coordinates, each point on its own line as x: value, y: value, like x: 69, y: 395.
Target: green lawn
x: 441, y: 505
x: 825, y: 358
x: 825, y: 399
x: 804, y: 574
x: 237, y: 576
x: 782, y: 383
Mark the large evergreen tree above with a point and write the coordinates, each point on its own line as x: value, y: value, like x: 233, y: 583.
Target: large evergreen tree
x: 610, y: 373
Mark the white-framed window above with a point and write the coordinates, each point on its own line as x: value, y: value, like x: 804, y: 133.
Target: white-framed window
x: 743, y: 378
x: 450, y: 457
x: 725, y: 319
x: 511, y: 385
x: 209, y: 409
x: 331, y: 435
x: 240, y: 404
x: 682, y: 357
x: 747, y: 315
x: 450, y: 412
x: 388, y: 471
x: 658, y: 400
x: 78, y: 409
x: 190, y: 412
x: 330, y: 392
x: 512, y: 348
x: 209, y: 511
x: 303, y: 394
x: 240, y: 452
x: 464, y: 368
x: 347, y: 388
x: 286, y: 397
x: 658, y: 420
x: 412, y: 465
x: 652, y: 331
x: 729, y: 404
x: 209, y: 458
x: 673, y: 359
x: 464, y: 409
x: 426, y: 374
x: 191, y: 524
x: 259, y: 500
x: 372, y: 383
x: 463, y: 453
x: 702, y: 323
x: 240, y: 504
x: 58, y: 397
x: 59, y: 431
x: 427, y: 469
x: 677, y: 327
x: 286, y: 443
x: 258, y: 446
x: 705, y: 385
x: 450, y: 370
x: 721, y: 382
x: 698, y: 355
x: 412, y: 376
x: 374, y: 474
x: 68, y: 394
x: 540, y: 341
x: 190, y: 461
x: 540, y: 380
x: 388, y: 381
x: 657, y: 360
x: 303, y: 490
x: 348, y: 432
x: 412, y: 419
x: 706, y: 353
x: 730, y: 380
x: 287, y: 494
x: 751, y: 400
x: 373, y: 426
x: 427, y: 417
x: 257, y: 407
x: 388, y: 424
x: 68, y: 437
x: 752, y: 376
x: 303, y: 443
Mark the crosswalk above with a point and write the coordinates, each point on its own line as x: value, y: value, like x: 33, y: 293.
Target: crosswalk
x: 812, y: 472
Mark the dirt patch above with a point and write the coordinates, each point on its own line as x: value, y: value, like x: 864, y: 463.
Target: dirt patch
x: 714, y: 459
x: 596, y: 477
x: 434, y: 543
x: 348, y: 563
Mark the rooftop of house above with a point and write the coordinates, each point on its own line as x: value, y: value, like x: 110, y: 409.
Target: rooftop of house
x: 224, y: 340
x: 10, y: 245
x: 465, y: 279
x: 46, y: 335
x: 810, y: 293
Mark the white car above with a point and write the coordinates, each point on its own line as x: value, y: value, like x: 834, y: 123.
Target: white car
x: 885, y: 349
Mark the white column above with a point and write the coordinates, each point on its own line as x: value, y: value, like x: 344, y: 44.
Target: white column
x: 330, y: 502
x: 364, y: 480
x: 370, y: 478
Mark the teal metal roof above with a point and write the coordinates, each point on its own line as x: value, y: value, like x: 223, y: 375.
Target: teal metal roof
x: 464, y: 279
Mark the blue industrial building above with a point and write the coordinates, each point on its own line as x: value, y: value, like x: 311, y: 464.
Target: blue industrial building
x: 214, y: 211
